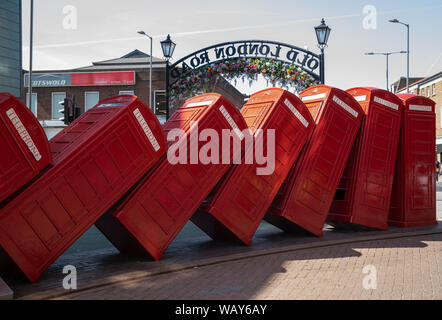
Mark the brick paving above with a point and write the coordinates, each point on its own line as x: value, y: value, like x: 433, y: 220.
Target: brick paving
x: 406, y: 268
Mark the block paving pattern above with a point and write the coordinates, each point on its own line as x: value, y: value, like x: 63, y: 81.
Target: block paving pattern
x: 406, y: 268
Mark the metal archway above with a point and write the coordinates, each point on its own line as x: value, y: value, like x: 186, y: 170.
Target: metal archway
x: 310, y: 62
x: 307, y: 60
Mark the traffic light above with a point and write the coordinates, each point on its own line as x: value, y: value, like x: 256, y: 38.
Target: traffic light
x: 65, y: 111
x: 70, y: 110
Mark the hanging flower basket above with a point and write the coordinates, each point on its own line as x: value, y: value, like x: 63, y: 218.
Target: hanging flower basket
x: 278, y: 73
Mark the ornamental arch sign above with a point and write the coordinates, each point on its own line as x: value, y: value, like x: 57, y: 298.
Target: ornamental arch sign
x: 310, y: 62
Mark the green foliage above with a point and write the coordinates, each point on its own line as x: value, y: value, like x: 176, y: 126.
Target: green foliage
x: 278, y: 73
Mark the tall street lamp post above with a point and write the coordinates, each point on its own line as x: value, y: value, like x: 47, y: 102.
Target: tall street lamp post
x: 408, y: 48
x: 31, y: 49
x: 150, y: 71
x: 386, y: 54
x: 168, y: 47
x: 322, y: 34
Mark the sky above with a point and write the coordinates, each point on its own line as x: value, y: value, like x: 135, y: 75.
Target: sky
x: 74, y: 33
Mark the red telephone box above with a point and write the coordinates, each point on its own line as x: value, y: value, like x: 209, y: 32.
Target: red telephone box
x: 363, y: 194
x: 236, y: 208
x: 96, y: 160
x: 24, y: 146
x: 413, y: 199
x: 163, y: 202
x: 305, y: 199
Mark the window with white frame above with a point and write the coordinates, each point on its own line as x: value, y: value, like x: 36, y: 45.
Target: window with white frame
x: 433, y: 89
x: 91, y: 99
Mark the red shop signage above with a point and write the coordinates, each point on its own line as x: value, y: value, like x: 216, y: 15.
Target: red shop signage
x: 102, y: 78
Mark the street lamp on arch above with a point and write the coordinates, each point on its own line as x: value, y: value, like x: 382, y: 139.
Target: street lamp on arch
x: 168, y: 47
x: 322, y: 35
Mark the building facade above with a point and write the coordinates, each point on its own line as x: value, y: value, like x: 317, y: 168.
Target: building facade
x: 10, y: 47
x: 430, y: 87
x: 87, y: 85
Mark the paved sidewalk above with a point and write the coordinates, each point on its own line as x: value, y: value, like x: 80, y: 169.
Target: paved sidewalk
x: 102, y: 270
x: 406, y: 268
x: 278, y: 265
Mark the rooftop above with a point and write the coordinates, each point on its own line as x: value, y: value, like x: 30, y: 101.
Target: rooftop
x: 133, y: 60
x: 402, y: 82
x: 419, y: 81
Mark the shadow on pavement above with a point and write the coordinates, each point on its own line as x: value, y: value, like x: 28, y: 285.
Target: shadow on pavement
x: 109, y: 264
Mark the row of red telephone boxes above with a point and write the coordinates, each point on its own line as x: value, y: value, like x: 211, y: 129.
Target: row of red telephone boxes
x: 363, y: 157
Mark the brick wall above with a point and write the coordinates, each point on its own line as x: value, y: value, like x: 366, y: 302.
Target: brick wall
x: 438, y: 99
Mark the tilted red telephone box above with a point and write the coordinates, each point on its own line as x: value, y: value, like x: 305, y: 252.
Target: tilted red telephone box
x: 24, y: 146
x: 305, y: 199
x: 96, y: 160
x: 239, y: 203
x: 364, y: 192
x: 413, y: 199
x: 164, y: 201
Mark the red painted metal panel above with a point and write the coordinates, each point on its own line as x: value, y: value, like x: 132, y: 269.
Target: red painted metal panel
x: 165, y: 200
x: 96, y: 160
x: 413, y: 200
x: 363, y: 195
x: 237, y: 206
x: 24, y: 146
x: 305, y: 199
